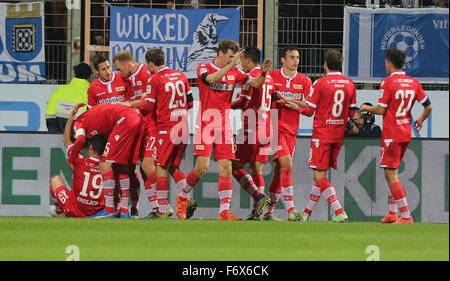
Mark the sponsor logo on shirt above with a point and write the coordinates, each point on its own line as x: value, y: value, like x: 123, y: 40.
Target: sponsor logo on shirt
x: 112, y: 100
x: 290, y: 95
x: 221, y: 87
x: 334, y: 121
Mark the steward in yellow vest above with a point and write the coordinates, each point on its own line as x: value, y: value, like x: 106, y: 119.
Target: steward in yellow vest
x: 65, y: 97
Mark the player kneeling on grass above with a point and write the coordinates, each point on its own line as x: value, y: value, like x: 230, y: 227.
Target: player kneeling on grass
x: 86, y: 197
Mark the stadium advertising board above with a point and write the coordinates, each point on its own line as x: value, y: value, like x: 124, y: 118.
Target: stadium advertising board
x: 421, y: 33
x: 22, y: 52
x: 187, y: 37
x: 28, y: 161
x: 22, y: 108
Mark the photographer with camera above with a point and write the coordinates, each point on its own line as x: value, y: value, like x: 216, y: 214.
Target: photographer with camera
x: 363, y: 125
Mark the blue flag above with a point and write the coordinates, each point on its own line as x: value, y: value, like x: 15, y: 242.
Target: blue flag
x: 421, y: 33
x: 187, y: 37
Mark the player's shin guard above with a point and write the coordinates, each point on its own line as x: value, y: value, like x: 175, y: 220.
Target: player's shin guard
x: 180, y: 180
x: 150, y: 191
x: 274, y: 194
x: 392, y: 205
x: 287, y: 189
x: 162, y: 192
x: 135, y: 185
x: 313, y: 198
x: 259, y: 181
x: 225, y: 193
x: 191, y: 181
x: 399, y: 195
x: 108, y: 184
x: 124, y: 183
x: 246, y: 181
x: 327, y: 189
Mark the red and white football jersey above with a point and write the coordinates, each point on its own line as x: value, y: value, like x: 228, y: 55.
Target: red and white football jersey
x: 167, y: 96
x: 139, y: 81
x: 112, y: 91
x: 398, y: 94
x: 87, y: 180
x: 218, y: 95
x: 101, y: 119
x: 260, y: 99
x: 295, y: 88
x: 331, y: 96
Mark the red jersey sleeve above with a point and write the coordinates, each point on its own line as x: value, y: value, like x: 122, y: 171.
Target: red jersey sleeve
x: 385, y: 94
x: 92, y: 101
x: 149, y: 101
x: 71, y: 155
x: 241, y: 77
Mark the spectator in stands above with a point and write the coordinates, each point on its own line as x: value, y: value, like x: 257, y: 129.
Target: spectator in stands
x: 363, y: 125
x: 170, y: 4
x: 441, y: 3
x: 65, y: 97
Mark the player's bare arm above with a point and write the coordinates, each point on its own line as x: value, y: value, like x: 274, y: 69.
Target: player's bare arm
x: 290, y: 103
x: 211, y: 78
x: 373, y: 109
x: 258, y: 81
x: 133, y: 104
x: 425, y: 113
x: 68, y: 128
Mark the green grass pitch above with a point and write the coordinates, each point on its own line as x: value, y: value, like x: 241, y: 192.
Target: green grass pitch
x: 45, y: 238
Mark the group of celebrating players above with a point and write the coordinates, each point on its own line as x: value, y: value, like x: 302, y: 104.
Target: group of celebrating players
x: 140, y: 114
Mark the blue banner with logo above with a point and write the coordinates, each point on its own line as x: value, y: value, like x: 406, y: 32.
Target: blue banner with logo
x: 421, y: 33
x: 187, y: 37
x: 22, y: 52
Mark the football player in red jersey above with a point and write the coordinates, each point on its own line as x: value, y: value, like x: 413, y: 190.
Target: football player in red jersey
x: 169, y: 97
x: 291, y: 85
x: 138, y: 76
x: 85, y: 198
x: 123, y: 127
x: 109, y: 87
x: 398, y: 94
x: 217, y: 80
x: 332, y: 100
x: 253, y: 142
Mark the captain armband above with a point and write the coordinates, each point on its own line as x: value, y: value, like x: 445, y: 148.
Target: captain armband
x: 426, y: 103
x: 204, y: 75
